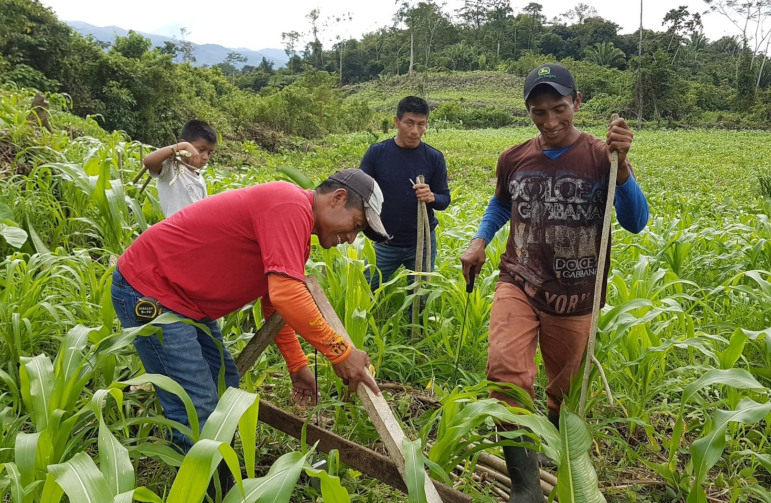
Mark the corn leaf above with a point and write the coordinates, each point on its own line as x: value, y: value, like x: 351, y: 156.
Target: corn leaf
x: 736, y: 378
x: 25, y: 453
x: 170, y: 385
x: 81, y: 480
x: 36, y: 375
x: 332, y: 490
x: 143, y: 494
x: 706, y: 451
x: 414, y: 469
x: 13, y: 235
x: 198, y: 467
x: 247, y: 427
x: 297, y: 176
x: 17, y: 488
x: 160, y: 452
x: 276, y: 486
x: 223, y: 421
x: 114, y: 461
x: 52, y: 492
x: 577, y: 478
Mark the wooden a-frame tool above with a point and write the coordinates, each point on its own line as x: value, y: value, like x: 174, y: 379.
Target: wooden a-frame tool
x: 360, y: 458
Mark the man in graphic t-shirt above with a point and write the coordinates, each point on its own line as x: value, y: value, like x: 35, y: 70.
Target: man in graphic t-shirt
x: 552, y: 189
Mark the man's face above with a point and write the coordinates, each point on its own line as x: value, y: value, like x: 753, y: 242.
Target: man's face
x: 553, y: 115
x: 205, y: 149
x: 410, y: 129
x: 338, y: 224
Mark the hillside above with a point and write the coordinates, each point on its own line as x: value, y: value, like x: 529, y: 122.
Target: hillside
x: 205, y: 54
x: 478, y: 89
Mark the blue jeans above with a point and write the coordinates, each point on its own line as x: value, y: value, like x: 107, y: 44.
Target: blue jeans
x: 388, y: 259
x: 188, y: 355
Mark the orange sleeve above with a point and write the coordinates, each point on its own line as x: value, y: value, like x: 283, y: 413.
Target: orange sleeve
x: 293, y: 301
x: 286, y: 341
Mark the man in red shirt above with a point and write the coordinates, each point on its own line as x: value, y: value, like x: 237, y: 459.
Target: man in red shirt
x: 226, y: 251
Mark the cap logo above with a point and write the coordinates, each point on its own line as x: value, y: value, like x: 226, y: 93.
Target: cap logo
x: 544, y: 71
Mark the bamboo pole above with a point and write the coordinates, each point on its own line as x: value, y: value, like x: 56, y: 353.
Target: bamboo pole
x: 422, y: 259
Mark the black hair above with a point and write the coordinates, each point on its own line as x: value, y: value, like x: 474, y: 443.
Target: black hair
x: 195, y: 129
x: 413, y: 105
x: 354, y: 199
x: 541, y: 89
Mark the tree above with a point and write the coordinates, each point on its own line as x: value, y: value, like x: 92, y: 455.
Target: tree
x: 681, y: 24
x: 474, y: 13
x: 184, y: 46
x: 499, y: 15
x: 606, y: 54
x: 234, y: 58
x: 290, y: 40
x: 133, y: 45
x: 426, y: 21
x: 530, y: 25
x: 750, y: 17
x: 169, y: 47
x: 580, y: 12
x: 342, y: 19
x: 31, y: 35
x: 315, y: 50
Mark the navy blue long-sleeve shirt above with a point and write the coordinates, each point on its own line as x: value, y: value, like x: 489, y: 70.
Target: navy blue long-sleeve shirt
x: 393, y: 167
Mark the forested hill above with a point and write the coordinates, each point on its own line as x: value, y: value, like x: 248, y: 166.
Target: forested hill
x: 468, y: 64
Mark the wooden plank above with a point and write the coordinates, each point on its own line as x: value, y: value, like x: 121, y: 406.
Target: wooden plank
x: 365, y: 460
x: 259, y: 342
x: 376, y: 406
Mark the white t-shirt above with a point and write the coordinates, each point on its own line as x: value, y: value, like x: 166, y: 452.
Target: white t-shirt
x: 187, y: 189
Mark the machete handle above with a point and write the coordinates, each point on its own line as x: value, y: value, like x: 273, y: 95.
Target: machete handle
x: 471, y: 278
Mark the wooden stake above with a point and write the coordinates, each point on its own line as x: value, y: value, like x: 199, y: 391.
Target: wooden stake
x: 259, y: 342
x: 376, y: 406
x: 598, y: 282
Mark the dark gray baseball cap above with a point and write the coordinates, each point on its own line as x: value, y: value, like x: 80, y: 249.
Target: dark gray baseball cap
x: 552, y: 74
x: 366, y: 187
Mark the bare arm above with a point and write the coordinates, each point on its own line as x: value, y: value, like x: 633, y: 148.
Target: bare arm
x: 154, y: 161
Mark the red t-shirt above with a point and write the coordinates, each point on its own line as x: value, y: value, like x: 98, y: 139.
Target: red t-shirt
x: 212, y: 257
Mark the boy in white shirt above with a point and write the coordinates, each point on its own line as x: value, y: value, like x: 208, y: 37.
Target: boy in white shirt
x: 179, y: 179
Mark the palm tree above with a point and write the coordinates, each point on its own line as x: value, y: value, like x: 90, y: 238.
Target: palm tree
x: 606, y: 54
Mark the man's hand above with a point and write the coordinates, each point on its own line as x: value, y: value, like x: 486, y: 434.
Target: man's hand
x: 473, y: 256
x: 304, y: 389
x: 353, y: 370
x: 423, y: 193
x: 620, y: 139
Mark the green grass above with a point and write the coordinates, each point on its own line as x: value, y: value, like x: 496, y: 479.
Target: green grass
x: 473, y: 89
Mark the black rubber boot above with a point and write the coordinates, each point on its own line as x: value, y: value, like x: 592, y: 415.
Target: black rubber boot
x: 226, y: 481
x: 522, y: 465
x: 554, y: 418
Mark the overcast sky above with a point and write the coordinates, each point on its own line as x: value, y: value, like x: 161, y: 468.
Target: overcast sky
x: 259, y: 24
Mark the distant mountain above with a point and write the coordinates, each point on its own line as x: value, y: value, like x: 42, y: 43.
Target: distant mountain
x: 205, y: 54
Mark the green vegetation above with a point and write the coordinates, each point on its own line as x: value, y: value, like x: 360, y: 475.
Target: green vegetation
x: 467, y: 64
x: 683, y: 340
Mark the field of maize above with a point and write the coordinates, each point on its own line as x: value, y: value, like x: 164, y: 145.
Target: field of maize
x: 684, y: 340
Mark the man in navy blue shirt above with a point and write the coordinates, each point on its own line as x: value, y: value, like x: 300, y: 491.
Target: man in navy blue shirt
x: 395, y: 164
